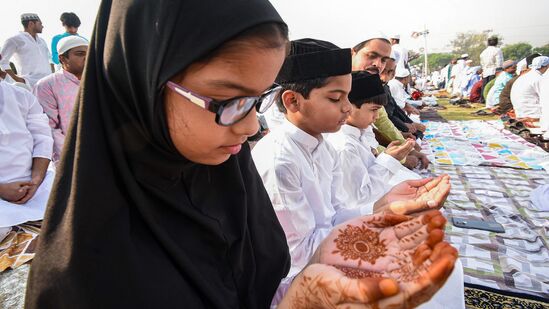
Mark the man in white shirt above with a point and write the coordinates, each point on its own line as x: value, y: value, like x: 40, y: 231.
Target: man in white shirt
x: 543, y: 88
x: 398, y: 91
x: 491, y: 58
x: 31, y: 54
x: 525, y: 91
x: 25, y: 153
x: 401, y: 53
x: 457, y: 74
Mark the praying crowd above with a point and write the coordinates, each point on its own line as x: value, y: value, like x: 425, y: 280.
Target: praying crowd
x: 135, y: 149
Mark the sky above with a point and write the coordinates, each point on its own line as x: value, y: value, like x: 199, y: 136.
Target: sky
x: 345, y: 22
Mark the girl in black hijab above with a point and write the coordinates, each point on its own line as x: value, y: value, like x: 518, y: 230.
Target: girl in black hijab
x: 157, y: 203
x: 132, y: 223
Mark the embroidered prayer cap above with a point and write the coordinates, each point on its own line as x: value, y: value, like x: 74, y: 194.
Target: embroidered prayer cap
x: 401, y: 72
x: 70, y: 42
x: 539, y: 62
x: 311, y: 58
x: 508, y: 64
x: 365, y: 86
x: 29, y: 17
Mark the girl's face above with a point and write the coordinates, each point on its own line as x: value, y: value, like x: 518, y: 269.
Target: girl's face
x: 248, y: 71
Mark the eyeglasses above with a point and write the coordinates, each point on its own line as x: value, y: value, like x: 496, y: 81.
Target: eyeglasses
x: 231, y: 111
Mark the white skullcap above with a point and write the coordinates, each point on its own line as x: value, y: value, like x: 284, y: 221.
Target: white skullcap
x: 375, y: 34
x: 29, y: 17
x: 69, y: 42
x: 539, y: 62
x: 464, y: 56
x: 469, y: 61
x: 395, y: 36
x: 521, y: 65
x: 402, y: 72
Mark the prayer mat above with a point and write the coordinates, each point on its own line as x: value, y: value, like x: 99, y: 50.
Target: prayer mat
x: 479, y: 142
x: 479, y: 297
x: 515, y: 261
x: 18, y: 246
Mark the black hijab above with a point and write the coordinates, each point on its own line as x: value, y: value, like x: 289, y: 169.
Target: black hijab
x: 130, y: 222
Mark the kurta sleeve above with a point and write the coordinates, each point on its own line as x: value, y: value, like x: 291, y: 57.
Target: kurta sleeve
x: 37, y: 124
x: 46, y: 97
x: 387, y: 128
x: 9, y: 48
x: 340, y: 199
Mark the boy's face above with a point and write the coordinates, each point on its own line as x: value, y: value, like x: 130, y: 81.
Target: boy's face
x: 327, y: 108
x: 366, y: 115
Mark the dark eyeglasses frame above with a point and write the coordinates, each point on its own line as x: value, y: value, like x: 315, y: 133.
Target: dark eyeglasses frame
x: 217, y: 107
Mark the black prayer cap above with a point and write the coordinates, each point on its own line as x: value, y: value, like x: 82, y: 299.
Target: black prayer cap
x: 311, y: 58
x: 365, y: 86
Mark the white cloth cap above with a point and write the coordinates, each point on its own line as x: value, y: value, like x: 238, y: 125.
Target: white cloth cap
x: 69, y: 42
x: 539, y: 62
x: 464, y: 56
x: 395, y: 36
x: 402, y: 72
x: 521, y: 65
x: 375, y: 34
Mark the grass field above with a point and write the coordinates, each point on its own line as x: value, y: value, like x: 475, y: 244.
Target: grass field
x: 454, y: 112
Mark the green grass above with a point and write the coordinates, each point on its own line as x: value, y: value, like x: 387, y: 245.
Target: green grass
x: 455, y: 112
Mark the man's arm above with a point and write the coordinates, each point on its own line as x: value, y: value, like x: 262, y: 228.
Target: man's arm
x: 8, y: 50
x: 45, y: 95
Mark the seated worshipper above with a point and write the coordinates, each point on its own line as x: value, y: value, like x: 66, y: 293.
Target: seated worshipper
x: 543, y: 89
x: 25, y: 151
x: 371, y: 55
x: 159, y: 204
x: 509, y: 69
x: 395, y: 113
x: 300, y: 170
x: 524, y: 94
x: 490, y: 84
x: 365, y: 177
x: 476, y: 90
x: 30, y: 52
x: 398, y: 88
x: 473, y: 76
x: 57, y: 92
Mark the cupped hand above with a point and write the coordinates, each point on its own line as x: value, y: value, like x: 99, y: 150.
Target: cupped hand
x: 413, y: 196
x: 399, y: 150
x: 14, y: 191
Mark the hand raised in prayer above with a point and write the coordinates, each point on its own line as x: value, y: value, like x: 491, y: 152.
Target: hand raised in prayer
x: 422, y: 158
x: 411, y: 161
x: 409, y: 109
x: 419, y: 126
x: 399, y: 151
x: 414, y: 196
x: 14, y: 191
x: 411, y: 127
x: 325, y: 286
x: 368, y: 250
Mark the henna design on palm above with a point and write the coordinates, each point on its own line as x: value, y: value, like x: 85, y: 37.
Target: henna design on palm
x: 360, y: 243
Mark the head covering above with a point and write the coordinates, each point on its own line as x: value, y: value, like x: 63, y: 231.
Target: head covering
x: 69, y: 42
x: 365, y: 86
x: 468, y: 61
x: 463, y: 56
x: 394, y: 56
x: 539, y: 62
x: 401, y: 72
x: 311, y: 58
x: 131, y: 223
x: 29, y: 17
x: 370, y: 35
x: 521, y: 65
x: 508, y: 63
x: 395, y: 36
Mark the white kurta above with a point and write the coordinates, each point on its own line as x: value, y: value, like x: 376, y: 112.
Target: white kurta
x: 365, y: 177
x: 400, y: 95
x: 303, y: 178
x: 31, y: 57
x: 525, y: 96
x: 490, y: 59
x: 24, y: 135
x: 543, y: 88
x: 401, y: 54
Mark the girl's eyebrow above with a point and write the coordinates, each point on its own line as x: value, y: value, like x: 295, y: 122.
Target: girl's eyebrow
x: 231, y: 85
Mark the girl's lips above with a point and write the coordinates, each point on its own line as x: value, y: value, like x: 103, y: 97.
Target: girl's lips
x: 233, y: 149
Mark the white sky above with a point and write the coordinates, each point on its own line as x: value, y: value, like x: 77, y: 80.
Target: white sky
x: 345, y: 22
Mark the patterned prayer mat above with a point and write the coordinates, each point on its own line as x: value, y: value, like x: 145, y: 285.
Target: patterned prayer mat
x: 17, y: 247
x: 478, y: 297
x: 479, y: 142
x: 515, y: 261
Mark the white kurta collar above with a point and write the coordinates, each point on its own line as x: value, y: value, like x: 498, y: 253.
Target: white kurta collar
x: 301, y: 137
x: 352, y: 131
